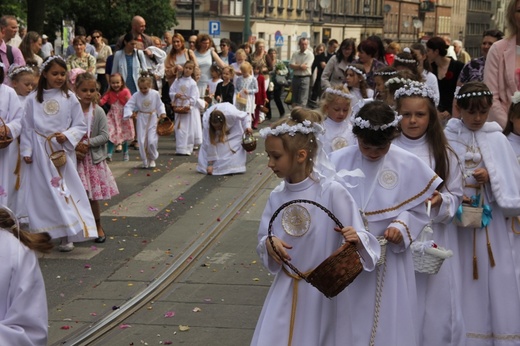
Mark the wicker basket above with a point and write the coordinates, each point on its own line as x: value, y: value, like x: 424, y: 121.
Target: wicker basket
x: 58, y: 157
x: 165, y: 127
x: 336, y: 272
x: 430, y: 259
x: 248, y: 142
x: 181, y: 109
x: 81, y: 151
x: 5, y: 140
x: 241, y: 100
x: 264, y: 109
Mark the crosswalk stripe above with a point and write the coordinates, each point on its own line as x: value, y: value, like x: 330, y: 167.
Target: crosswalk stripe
x: 158, y: 194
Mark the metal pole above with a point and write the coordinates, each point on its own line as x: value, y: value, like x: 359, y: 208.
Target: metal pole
x: 247, y: 20
x: 193, y: 17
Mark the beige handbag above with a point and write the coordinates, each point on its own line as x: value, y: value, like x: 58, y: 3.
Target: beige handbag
x: 471, y: 217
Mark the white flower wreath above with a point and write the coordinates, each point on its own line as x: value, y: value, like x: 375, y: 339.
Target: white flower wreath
x: 339, y: 93
x: 365, y: 124
x: 516, y: 97
x: 304, y: 127
x: 49, y: 59
x: 416, y: 89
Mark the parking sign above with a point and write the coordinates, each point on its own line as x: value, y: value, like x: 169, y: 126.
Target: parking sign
x: 214, y: 27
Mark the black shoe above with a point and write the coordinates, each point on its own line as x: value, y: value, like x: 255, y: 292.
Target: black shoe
x: 100, y: 240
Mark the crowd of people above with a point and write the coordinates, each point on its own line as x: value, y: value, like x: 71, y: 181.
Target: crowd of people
x: 392, y: 140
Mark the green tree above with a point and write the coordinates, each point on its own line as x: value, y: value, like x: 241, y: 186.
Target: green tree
x: 112, y: 17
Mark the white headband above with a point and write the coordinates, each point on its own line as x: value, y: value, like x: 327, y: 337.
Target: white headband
x: 406, y: 61
x: 365, y: 124
x: 358, y: 71
x: 304, y: 127
x: 399, y: 80
x: 49, y: 59
x: 416, y: 89
x: 383, y: 73
x: 473, y: 94
x: 18, y: 69
x: 339, y: 93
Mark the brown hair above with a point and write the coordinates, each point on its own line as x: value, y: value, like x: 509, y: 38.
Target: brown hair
x: 299, y: 141
x: 411, y: 62
x: 475, y: 102
x: 437, y: 142
x: 35, y: 241
x: 85, y: 77
x: 217, y: 117
x: 42, y: 82
x: 363, y: 86
x: 512, y: 114
x: 378, y: 113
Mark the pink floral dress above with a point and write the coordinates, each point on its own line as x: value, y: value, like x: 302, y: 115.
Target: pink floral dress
x: 97, y: 179
x: 119, y: 130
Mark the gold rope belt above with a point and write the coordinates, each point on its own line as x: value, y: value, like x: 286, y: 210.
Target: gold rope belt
x: 296, y: 280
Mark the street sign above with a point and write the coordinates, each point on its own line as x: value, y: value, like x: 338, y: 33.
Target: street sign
x: 214, y: 27
x: 278, y: 39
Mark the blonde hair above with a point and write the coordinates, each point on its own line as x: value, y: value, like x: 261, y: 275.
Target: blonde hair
x: 293, y: 142
x: 329, y: 98
x: 217, y: 117
x: 246, y: 67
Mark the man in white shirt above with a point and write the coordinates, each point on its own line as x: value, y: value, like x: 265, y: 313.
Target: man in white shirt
x: 301, y: 64
x: 47, y: 49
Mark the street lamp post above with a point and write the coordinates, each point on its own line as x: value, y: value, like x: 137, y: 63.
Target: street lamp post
x: 366, y: 12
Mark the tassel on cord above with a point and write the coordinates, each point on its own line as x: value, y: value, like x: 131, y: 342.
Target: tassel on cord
x: 490, y: 251
x: 475, y: 267
x: 17, y: 170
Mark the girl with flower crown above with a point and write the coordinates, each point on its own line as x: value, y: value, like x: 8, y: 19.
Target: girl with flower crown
x: 336, y: 107
x: 439, y: 309
x: 355, y: 81
x: 381, y: 76
x: 489, y: 256
x: 294, y: 312
x: 55, y: 198
x: 391, y: 200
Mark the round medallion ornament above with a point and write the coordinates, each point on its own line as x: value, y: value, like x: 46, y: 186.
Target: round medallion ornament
x: 388, y: 179
x: 146, y: 104
x: 296, y: 220
x: 51, y: 107
x: 338, y: 143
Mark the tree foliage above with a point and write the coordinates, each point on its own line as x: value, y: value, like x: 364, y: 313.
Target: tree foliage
x: 112, y: 17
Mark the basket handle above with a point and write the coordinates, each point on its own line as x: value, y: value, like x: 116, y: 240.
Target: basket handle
x: 275, y: 214
x: 49, y: 140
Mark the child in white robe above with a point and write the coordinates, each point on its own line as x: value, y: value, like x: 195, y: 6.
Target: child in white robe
x: 55, y: 198
x: 146, y: 106
x: 295, y: 312
x: 23, y: 302
x: 440, y: 311
x: 336, y: 107
x: 188, y: 129
x: 11, y: 115
x: 488, y: 254
x: 222, y: 152
x: 23, y: 81
x: 391, y: 199
x: 356, y: 81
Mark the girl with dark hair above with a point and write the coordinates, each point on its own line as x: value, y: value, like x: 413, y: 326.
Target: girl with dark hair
x: 447, y: 71
x: 334, y: 72
x: 439, y: 308
x: 489, y: 252
x: 391, y: 198
x: 56, y: 200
